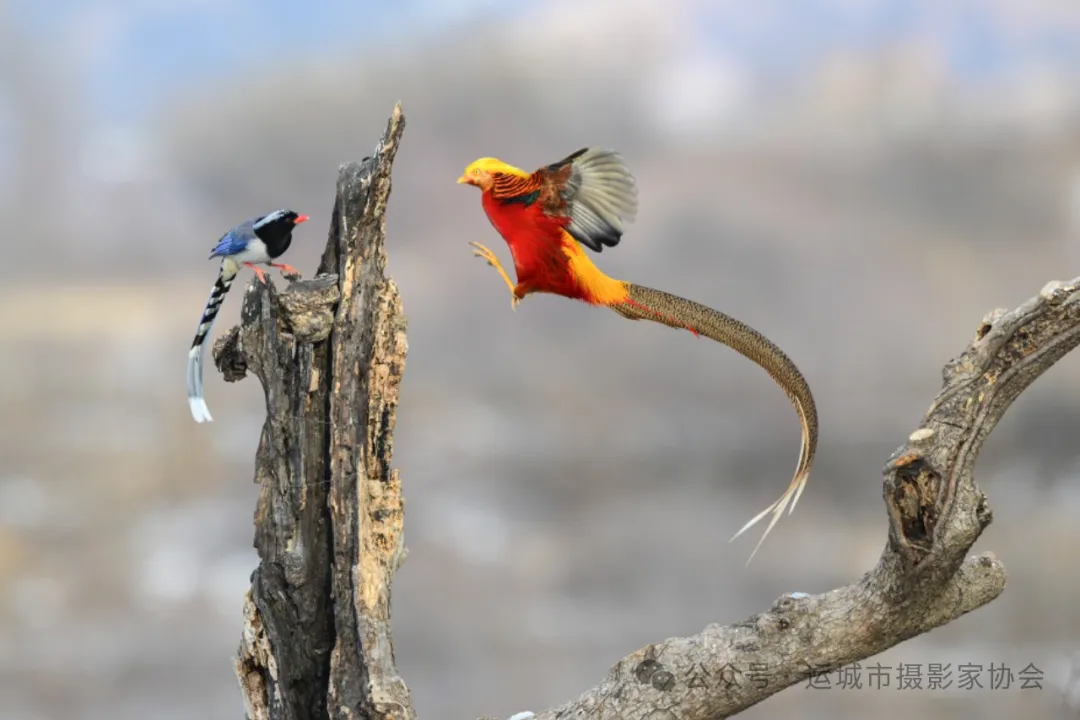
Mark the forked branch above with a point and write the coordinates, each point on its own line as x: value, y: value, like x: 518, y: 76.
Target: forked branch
x: 924, y: 577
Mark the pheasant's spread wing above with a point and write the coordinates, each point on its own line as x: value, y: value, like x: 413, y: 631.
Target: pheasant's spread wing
x: 595, y: 190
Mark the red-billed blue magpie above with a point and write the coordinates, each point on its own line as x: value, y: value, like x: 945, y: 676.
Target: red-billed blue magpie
x: 257, y: 241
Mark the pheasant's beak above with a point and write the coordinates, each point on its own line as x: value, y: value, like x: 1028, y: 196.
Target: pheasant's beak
x: 465, y: 179
x: 301, y: 218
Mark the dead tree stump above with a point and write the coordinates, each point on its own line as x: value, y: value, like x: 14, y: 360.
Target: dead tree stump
x: 330, y: 353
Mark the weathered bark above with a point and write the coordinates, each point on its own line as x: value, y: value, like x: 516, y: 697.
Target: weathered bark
x: 330, y: 354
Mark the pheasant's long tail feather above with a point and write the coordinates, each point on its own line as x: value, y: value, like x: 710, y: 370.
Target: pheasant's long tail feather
x: 199, y: 410
x: 644, y: 303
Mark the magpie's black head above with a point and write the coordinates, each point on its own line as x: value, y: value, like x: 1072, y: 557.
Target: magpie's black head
x: 275, y: 230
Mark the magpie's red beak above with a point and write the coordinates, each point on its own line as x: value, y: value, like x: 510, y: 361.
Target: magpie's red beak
x: 300, y: 219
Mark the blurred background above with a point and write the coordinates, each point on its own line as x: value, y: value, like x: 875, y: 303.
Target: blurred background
x: 862, y: 181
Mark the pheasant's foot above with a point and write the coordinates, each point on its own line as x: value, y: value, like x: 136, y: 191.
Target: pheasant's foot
x: 484, y: 253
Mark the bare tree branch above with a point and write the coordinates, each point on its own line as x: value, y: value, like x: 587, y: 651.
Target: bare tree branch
x: 923, y: 579
x: 330, y: 354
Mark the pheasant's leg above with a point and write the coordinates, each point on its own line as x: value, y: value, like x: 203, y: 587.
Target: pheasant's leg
x: 482, y: 252
x: 259, y: 272
x: 285, y: 269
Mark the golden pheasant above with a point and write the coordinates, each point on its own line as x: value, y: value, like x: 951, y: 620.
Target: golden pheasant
x: 547, y: 216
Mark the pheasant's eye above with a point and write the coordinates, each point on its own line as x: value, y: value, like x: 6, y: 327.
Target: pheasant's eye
x: 476, y: 171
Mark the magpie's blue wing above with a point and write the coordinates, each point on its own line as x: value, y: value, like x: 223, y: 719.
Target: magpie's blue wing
x: 234, y: 241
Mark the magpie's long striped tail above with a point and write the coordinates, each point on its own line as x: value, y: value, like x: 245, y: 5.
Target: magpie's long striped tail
x: 199, y: 411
